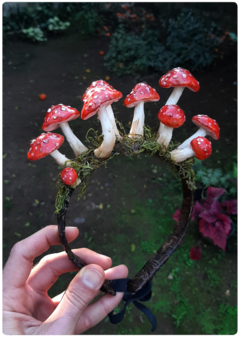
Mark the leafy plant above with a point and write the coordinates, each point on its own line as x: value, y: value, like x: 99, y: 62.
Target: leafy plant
x: 56, y: 24
x: 189, y: 43
x: 87, y: 19
x: 211, y: 216
x: 34, y: 34
x: 216, y: 177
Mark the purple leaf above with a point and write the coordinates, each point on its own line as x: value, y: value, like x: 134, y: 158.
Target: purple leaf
x: 176, y: 215
x: 216, y: 207
x: 197, y: 209
x: 207, y: 204
x: 231, y: 206
x: 195, y: 253
x: 214, y: 192
x: 224, y: 221
x: 208, y: 216
x: 219, y: 236
x: 205, y: 228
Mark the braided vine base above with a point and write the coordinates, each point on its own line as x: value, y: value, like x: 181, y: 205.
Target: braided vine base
x: 159, y: 258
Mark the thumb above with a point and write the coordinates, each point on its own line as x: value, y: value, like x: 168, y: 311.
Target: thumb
x: 80, y: 292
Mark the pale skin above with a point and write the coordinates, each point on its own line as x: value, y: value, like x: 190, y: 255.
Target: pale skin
x: 27, y: 308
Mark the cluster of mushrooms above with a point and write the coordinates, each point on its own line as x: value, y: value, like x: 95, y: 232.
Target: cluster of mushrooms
x: 98, y: 99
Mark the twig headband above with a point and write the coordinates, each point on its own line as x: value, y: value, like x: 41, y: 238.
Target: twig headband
x: 141, y: 139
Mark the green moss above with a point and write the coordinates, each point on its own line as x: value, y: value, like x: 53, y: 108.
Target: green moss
x: 87, y: 163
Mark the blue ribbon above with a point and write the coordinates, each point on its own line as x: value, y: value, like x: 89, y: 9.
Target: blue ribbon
x: 142, y: 295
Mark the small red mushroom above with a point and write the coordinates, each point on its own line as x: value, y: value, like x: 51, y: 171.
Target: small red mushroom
x: 58, y: 116
x: 42, y: 97
x: 96, y: 100
x: 69, y: 176
x: 99, y: 84
x: 178, y: 78
x: 199, y: 147
x: 45, y: 144
x: 140, y: 94
x: 207, y: 126
x: 171, y: 117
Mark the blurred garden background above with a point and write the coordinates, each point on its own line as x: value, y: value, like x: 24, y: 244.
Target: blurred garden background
x: 129, y: 209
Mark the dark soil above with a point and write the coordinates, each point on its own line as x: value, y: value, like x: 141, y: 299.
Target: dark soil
x: 57, y: 68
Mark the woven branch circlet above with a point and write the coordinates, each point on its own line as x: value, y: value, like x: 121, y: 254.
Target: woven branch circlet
x: 87, y: 163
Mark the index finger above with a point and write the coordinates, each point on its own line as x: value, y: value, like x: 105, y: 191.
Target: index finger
x: 20, y: 261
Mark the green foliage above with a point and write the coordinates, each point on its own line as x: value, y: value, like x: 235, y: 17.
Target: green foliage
x: 34, y: 34
x: 228, y: 319
x: 215, y: 177
x: 235, y: 171
x: 87, y: 20
x: 56, y: 24
x: 189, y: 43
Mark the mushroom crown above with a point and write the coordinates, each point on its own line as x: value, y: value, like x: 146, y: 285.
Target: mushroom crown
x: 68, y: 176
x: 58, y: 114
x: 202, y: 147
x: 208, y: 124
x: 172, y: 116
x: 142, y: 92
x: 98, y: 97
x: 95, y: 84
x: 179, y: 77
x: 44, y: 144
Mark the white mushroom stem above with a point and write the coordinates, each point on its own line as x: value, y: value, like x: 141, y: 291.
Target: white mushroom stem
x: 180, y: 155
x: 138, y: 121
x: 165, y: 135
x: 112, y: 119
x: 200, y: 133
x: 77, y: 146
x: 109, y: 139
x: 160, y: 130
x: 60, y: 158
x: 175, y: 95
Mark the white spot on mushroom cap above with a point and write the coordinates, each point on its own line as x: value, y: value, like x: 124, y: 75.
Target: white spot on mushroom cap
x: 49, y: 110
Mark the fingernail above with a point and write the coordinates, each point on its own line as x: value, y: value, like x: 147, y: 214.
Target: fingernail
x: 92, y: 278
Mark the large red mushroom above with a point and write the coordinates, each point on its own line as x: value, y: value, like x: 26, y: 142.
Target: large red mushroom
x: 178, y: 78
x: 199, y: 147
x: 95, y: 101
x: 207, y: 126
x: 139, y: 95
x: 59, y: 116
x: 102, y: 83
x: 45, y: 144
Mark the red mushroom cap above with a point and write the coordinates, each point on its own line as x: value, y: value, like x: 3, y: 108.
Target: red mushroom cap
x: 58, y: 114
x: 69, y: 176
x: 208, y: 124
x: 44, y: 144
x: 179, y: 77
x: 202, y: 147
x: 172, y: 116
x: 96, y: 84
x: 97, y: 97
x: 142, y: 92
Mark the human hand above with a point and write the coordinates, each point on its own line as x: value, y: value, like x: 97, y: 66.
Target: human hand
x: 27, y: 308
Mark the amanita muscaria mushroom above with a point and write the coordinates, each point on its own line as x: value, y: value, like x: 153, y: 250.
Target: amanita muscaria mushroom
x: 45, y: 144
x: 207, y: 126
x: 95, y: 101
x: 69, y: 177
x: 59, y: 116
x: 102, y: 83
x: 178, y: 78
x: 199, y: 147
x: 139, y: 95
x: 171, y: 117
